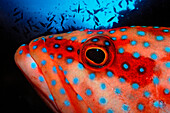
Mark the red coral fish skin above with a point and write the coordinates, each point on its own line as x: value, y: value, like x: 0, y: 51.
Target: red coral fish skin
x: 124, y: 69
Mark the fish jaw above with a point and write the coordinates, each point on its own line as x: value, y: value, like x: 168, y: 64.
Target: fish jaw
x: 60, y: 97
x: 34, y: 75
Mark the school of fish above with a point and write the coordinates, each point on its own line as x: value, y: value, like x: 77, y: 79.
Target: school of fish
x: 125, y: 69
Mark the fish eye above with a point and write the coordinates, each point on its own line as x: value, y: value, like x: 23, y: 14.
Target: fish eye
x: 96, y: 55
x: 97, y: 52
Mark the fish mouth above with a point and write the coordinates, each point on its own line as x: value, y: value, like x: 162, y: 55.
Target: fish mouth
x: 52, y: 86
x: 34, y: 75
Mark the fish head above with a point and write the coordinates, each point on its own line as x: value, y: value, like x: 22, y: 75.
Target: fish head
x: 112, y: 70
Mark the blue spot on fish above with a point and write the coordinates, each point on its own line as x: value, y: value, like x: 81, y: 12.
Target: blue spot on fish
x: 141, y: 70
x: 102, y: 101
x: 59, y: 37
x: 122, y: 80
x: 158, y: 104
x: 83, y: 40
x: 88, y: 92
x: 110, y: 111
x: 35, y: 40
x: 69, y: 48
x: 146, y: 94
x: 23, y: 45
x: 67, y: 103
x: 60, y: 68
x: 141, y: 33
x: 125, y: 107
x: 51, y: 97
x: 156, y: 27
x: 44, y: 50
x: 43, y: 62
x: 154, y: 56
x: 34, y: 47
x: 112, y: 31
x: 73, y: 38
x: 125, y: 66
x: 89, y: 110
x: 121, y: 50
x: 159, y: 38
x: 123, y: 29
x: 79, y: 97
x: 124, y: 37
x: 92, y: 76
x: 89, y: 32
x: 167, y: 49
x: 135, y: 86
x: 50, y: 36
x: 113, y: 38
x: 106, y: 43
x: 80, y: 66
x: 52, y: 57
x: 167, y: 64
x: 117, y: 91
x: 146, y: 44
x: 156, y: 80
x: 140, y: 107
x: 53, y: 82
x: 95, y: 39
x: 59, y: 56
x: 28, y: 55
x: 33, y: 65
x: 66, y: 81
x: 166, y: 91
x: 75, y: 80
x: 165, y: 30
x: 20, y: 52
x: 133, y: 42
x: 110, y: 74
x: 65, y: 72
x: 43, y: 39
x: 62, y: 91
x: 56, y: 45
x: 54, y: 69
x: 69, y: 60
x: 103, y: 86
x: 41, y: 78
x: 100, y: 32
x: 136, y: 55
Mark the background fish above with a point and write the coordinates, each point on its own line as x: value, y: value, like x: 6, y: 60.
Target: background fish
x: 116, y: 70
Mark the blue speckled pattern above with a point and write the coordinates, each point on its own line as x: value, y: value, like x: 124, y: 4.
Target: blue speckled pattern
x: 133, y: 75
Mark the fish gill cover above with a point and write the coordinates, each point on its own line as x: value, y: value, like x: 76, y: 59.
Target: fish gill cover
x: 36, y: 17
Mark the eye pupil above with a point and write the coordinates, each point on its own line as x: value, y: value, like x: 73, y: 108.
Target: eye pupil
x: 95, y: 55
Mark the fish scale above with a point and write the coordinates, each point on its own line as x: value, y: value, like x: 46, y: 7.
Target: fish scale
x: 134, y: 75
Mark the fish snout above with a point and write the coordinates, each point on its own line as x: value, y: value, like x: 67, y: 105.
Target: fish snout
x: 32, y: 72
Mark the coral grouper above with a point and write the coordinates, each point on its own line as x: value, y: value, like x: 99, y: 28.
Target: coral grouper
x: 124, y: 69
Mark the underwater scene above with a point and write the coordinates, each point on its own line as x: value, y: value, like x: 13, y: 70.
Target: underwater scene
x: 96, y: 56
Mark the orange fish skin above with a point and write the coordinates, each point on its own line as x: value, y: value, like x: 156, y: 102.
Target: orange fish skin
x: 124, y: 69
